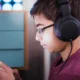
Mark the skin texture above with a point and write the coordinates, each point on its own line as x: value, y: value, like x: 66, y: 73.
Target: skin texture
x: 6, y: 73
x: 48, y: 39
x: 50, y: 42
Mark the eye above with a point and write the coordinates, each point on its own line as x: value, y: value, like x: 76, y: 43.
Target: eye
x: 40, y: 31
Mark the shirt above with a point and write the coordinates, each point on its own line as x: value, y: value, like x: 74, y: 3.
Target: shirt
x: 70, y: 71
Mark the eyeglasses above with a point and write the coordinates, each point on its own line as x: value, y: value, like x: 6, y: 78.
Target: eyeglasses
x: 41, y: 30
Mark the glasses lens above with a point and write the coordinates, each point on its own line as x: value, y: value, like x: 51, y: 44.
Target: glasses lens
x: 39, y: 31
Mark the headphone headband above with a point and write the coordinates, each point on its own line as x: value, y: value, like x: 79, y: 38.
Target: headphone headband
x: 62, y: 2
x: 67, y: 27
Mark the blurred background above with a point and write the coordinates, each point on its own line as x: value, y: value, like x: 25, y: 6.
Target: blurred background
x: 39, y: 60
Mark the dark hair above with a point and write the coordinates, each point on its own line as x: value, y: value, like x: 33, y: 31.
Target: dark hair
x: 50, y: 9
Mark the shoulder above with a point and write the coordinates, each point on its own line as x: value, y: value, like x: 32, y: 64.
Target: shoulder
x: 77, y: 68
x: 74, y: 61
x: 77, y: 65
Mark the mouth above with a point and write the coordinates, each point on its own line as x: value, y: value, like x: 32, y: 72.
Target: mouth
x: 44, y: 45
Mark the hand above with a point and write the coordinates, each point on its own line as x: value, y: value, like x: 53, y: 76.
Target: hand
x: 6, y: 73
x: 16, y: 74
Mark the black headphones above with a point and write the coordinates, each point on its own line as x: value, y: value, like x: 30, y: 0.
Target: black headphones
x: 66, y: 27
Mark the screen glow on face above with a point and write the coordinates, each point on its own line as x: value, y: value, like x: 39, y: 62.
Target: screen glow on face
x: 7, y: 7
x: 17, y: 7
x: 6, y: 0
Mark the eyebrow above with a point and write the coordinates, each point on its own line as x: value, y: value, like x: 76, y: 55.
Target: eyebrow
x: 39, y: 25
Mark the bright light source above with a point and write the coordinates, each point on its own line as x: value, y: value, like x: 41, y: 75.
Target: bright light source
x: 17, y: 7
x: 17, y: 0
x: 7, y: 7
x: 7, y: 0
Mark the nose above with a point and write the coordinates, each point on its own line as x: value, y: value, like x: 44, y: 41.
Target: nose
x: 38, y: 37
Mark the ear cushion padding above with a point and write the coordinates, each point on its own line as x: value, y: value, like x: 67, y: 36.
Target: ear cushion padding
x: 67, y: 28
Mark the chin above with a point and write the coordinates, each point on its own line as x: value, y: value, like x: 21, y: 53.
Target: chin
x: 51, y: 51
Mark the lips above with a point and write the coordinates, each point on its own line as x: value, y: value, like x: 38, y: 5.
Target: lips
x: 41, y: 44
x: 44, y: 45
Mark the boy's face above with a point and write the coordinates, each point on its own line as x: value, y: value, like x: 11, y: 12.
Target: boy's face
x: 47, y: 37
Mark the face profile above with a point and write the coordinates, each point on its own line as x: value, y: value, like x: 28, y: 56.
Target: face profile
x: 62, y: 37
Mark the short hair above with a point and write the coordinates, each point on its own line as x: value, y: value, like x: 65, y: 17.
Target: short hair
x: 50, y: 10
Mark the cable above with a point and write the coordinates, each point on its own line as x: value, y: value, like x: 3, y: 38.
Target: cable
x: 68, y: 55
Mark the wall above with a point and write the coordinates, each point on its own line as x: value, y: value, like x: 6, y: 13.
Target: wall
x: 36, y: 60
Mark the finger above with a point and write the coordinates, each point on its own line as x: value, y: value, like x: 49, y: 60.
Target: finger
x: 16, y: 74
x: 5, y: 67
x: 3, y: 75
x: 1, y: 69
x: 15, y: 71
x: 6, y: 72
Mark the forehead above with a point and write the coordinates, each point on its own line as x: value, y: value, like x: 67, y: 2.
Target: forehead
x: 41, y: 19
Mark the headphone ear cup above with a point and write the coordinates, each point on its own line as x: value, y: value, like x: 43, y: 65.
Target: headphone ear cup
x: 67, y: 28
x: 57, y: 30
x: 77, y: 21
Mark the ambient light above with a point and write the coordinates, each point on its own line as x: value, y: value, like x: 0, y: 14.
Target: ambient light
x: 17, y: 7
x: 11, y: 5
x: 6, y: 1
x: 17, y: 1
x: 7, y: 7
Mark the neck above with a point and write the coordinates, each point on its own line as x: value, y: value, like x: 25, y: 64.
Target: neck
x: 66, y: 51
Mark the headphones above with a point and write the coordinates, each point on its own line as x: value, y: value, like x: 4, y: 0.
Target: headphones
x: 66, y: 27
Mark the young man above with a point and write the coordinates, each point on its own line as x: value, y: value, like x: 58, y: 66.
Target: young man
x: 66, y: 67
x: 45, y: 14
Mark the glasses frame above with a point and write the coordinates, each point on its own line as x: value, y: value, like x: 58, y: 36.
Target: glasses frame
x: 40, y: 31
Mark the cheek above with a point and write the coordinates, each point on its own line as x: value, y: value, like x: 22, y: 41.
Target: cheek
x: 49, y: 38
x: 51, y: 42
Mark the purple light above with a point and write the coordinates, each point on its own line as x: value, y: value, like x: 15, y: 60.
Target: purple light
x: 0, y: 6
